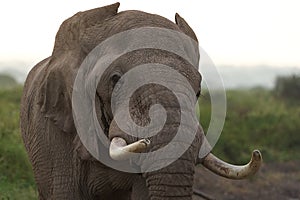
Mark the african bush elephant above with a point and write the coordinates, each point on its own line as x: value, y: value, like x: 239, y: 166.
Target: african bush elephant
x: 64, y: 167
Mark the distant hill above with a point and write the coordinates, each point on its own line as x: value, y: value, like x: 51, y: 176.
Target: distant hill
x: 18, y: 70
x: 7, y: 81
x: 18, y: 75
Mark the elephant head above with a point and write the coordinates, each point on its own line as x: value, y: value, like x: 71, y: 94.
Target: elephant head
x: 76, y: 39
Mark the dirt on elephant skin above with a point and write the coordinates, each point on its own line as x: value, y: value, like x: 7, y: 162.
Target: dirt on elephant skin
x: 274, y: 181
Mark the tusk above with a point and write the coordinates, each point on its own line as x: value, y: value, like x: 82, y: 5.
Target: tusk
x: 232, y: 171
x: 119, y: 150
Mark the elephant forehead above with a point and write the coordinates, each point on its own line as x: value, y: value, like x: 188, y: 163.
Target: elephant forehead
x: 148, y: 37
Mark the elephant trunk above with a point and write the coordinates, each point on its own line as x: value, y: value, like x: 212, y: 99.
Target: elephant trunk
x: 175, y: 180
x: 172, y: 182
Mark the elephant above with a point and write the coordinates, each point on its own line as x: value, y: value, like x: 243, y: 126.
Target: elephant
x: 64, y: 167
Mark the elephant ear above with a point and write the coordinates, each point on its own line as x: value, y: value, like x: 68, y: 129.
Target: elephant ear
x: 92, y: 17
x: 184, y: 27
x: 55, y: 100
x: 55, y: 92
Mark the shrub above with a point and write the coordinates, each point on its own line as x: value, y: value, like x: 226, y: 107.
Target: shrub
x: 288, y: 87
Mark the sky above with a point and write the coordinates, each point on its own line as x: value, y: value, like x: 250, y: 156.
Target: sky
x: 232, y: 32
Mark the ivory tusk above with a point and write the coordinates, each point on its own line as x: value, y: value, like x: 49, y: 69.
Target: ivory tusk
x: 119, y: 150
x: 226, y: 170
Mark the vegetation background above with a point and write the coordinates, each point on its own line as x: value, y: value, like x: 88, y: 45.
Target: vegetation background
x: 257, y: 118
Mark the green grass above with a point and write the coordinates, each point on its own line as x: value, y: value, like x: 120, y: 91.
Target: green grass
x: 16, y: 179
x: 255, y: 119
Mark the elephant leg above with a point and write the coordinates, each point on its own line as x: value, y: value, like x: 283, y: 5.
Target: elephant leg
x: 54, y: 165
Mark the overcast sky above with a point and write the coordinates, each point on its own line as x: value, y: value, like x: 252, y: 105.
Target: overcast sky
x: 233, y: 32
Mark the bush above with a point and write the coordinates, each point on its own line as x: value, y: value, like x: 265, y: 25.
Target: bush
x: 288, y: 87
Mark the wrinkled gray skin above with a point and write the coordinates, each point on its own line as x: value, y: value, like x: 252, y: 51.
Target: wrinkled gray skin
x: 62, y: 166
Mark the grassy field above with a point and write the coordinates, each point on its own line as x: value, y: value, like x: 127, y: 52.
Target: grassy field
x: 16, y: 179
x: 256, y: 119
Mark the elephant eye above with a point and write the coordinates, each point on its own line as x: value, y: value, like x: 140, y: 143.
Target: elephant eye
x: 115, y: 78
